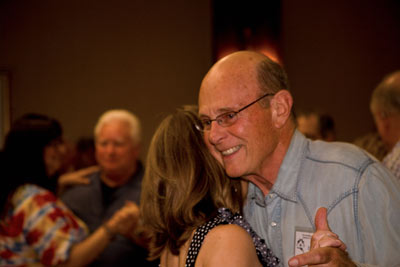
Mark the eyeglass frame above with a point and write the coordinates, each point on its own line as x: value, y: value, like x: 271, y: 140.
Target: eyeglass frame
x: 217, y: 119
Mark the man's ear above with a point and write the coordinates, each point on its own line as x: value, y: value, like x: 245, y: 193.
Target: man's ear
x: 281, y: 106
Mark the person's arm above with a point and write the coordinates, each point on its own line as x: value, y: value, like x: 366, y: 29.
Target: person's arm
x: 379, y: 217
x: 228, y: 245
x: 74, y: 178
x: 86, y: 251
x: 122, y: 222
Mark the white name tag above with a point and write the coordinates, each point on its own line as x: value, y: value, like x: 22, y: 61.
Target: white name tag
x: 302, y: 240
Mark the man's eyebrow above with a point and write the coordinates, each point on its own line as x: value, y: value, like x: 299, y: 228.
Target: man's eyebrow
x: 219, y: 112
x: 202, y: 116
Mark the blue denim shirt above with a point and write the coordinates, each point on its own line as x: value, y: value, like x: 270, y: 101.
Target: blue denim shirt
x: 361, y: 195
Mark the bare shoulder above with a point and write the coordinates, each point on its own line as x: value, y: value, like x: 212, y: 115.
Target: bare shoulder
x: 227, y: 245
x: 228, y: 233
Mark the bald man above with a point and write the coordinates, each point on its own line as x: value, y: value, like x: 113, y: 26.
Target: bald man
x: 385, y: 108
x: 245, y: 110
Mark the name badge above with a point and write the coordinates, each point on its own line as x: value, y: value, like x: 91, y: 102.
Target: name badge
x: 302, y: 240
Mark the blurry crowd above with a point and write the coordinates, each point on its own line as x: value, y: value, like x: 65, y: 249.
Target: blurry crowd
x: 72, y: 204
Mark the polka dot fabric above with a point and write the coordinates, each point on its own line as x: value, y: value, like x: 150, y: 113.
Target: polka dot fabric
x: 225, y: 216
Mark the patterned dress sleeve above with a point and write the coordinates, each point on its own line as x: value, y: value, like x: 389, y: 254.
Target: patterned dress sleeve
x: 40, y: 229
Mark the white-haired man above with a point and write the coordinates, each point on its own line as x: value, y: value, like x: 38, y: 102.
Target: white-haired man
x: 118, y: 180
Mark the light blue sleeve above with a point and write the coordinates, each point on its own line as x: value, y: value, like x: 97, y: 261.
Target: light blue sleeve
x: 379, y: 216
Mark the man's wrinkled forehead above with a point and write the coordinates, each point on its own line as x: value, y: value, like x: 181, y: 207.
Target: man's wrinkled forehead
x: 224, y: 97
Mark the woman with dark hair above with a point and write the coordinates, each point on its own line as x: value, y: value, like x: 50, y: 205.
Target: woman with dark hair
x: 33, y: 140
x: 36, y: 228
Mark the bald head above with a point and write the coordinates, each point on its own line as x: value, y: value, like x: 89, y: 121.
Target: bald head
x: 240, y: 59
x: 393, y: 79
x: 385, y: 108
x: 386, y: 96
x: 268, y: 75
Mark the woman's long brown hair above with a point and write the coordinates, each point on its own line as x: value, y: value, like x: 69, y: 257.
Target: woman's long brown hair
x: 184, y: 185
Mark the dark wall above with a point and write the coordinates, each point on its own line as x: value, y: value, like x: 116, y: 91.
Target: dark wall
x: 336, y: 52
x: 74, y: 59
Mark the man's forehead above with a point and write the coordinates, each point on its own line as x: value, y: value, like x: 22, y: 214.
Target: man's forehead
x: 116, y: 124
x: 116, y: 128
x: 227, y: 86
x: 225, y: 80
x: 220, y: 100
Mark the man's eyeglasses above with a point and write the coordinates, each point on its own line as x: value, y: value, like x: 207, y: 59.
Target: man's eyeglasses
x: 225, y: 119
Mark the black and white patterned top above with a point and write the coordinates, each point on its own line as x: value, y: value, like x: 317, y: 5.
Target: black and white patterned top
x: 225, y: 216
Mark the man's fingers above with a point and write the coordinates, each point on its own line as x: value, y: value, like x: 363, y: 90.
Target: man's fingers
x: 131, y: 209
x: 327, y: 256
x: 321, y: 220
x: 316, y: 256
x: 331, y: 241
x: 323, y: 237
x: 321, y: 226
x: 319, y: 235
x: 131, y: 205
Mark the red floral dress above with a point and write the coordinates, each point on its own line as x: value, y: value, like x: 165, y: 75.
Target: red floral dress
x: 39, y: 230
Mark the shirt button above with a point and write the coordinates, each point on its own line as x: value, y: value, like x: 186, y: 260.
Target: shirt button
x: 271, y: 196
x: 273, y: 224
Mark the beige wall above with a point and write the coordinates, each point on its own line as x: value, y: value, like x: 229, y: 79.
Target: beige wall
x: 74, y: 59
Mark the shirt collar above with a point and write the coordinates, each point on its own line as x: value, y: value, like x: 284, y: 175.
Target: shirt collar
x: 286, y: 183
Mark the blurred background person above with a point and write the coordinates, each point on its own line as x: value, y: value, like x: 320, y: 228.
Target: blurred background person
x: 36, y: 229
x: 117, y: 146
x: 84, y: 153
x: 81, y: 163
x: 373, y: 144
x: 316, y: 126
x: 385, y: 108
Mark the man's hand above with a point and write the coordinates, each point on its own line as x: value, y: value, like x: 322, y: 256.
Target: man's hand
x: 75, y: 178
x: 124, y: 220
x: 324, y: 237
x: 326, y: 247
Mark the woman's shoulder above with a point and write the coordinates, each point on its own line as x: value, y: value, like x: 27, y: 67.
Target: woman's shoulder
x: 28, y: 192
x: 29, y: 189
x: 229, y: 234
x: 230, y: 245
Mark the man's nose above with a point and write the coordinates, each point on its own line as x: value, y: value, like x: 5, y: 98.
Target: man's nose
x: 110, y: 148
x: 216, y: 133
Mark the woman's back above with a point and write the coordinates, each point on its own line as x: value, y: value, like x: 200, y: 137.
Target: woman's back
x: 224, y: 245
x: 226, y: 239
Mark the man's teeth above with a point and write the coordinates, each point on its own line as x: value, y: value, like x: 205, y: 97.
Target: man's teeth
x: 230, y: 151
